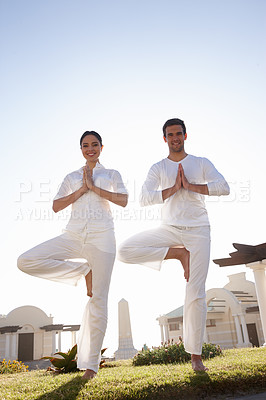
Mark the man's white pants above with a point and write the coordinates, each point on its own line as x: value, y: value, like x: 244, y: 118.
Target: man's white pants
x: 51, y: 260
x: 150, y: 248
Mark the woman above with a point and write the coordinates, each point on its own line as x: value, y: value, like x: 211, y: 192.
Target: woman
x: 89, y: 234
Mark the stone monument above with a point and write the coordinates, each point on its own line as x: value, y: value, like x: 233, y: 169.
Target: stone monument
x: 125, y: 343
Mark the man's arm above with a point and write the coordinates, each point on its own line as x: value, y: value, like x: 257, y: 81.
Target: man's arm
x: 177, y: 186
x: 193, y: 187
x: 216, y: 186
x: 149, y: 194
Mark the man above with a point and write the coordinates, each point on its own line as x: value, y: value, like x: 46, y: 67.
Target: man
x: 180, y: 182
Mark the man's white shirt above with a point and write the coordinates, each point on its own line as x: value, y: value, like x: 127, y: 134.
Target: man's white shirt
x: 184, y: 208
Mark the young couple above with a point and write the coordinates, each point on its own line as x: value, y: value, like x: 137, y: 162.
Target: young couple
x: 179, y: 182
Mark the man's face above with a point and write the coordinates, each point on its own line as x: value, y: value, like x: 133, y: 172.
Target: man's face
x: 175, y: 138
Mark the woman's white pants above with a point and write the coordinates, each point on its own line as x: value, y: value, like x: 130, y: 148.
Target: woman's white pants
x: 52, y: 260
x: 150, y: 248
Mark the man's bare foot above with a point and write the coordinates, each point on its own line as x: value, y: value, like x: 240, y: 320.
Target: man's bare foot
x: 197, y: 364
x: 184, y: 255
x: 89, y: 374
x: 181, y: 254
x: 88, y: 279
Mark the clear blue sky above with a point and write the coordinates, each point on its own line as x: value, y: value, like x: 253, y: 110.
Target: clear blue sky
x: 122, y: 68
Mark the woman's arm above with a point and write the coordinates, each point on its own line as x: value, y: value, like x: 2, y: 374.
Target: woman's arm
x: 117, y: 198
x: 63, y: 202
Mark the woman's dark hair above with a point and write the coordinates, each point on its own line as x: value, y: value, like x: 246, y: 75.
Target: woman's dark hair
x: 91, y: 133
x: 173, y: 121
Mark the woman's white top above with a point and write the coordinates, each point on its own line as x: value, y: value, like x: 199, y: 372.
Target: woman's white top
x: 184, y: 208
x: 91, y: 212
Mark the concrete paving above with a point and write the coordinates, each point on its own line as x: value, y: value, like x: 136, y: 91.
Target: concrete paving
x: 256, y: 396
x: 37, y: 364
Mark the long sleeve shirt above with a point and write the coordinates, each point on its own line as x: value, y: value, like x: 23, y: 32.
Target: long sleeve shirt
x: 184, y: 208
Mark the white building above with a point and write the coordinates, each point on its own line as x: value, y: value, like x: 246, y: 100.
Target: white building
x: 27, y: 333
x: 233, y: 318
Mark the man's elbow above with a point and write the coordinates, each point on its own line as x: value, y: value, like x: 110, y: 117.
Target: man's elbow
x: 218, y: 189
x: 226, y: 190
x: 144, y: 200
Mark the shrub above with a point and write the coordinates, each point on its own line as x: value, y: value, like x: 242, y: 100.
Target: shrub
x: 210, y: 350
x: 11, y: 367
x: 67, y: 362
x: 172, y: 353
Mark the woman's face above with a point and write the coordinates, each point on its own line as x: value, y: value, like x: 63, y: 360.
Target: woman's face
x: 91, y: 148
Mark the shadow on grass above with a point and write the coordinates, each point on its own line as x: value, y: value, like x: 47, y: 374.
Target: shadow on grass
x: 199, y: 384
x: 68, y: 391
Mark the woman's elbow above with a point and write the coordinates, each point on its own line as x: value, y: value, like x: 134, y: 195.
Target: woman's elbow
x: 124, y: 201
x: 55, y: 207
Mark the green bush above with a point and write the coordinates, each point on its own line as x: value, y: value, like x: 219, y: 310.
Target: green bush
x: 172, y: 353
x: 11, y: 367
x: 210, y: 350
x: 67, y: 362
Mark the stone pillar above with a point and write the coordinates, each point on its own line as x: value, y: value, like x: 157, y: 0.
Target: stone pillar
x: 162, y: 333
x: 59, y: 341
x: 7, y: 346
x: 13, y: 346
x: 53, y: 342
x: 182, y: 329
x: 238, y: 331
x: 205, y: 336
x: 166, y: 332
x: 73, y: 338
x: 245, y: 331
x: 260, y: 283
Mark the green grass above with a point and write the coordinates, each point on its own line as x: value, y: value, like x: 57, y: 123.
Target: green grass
x: 236, y: 372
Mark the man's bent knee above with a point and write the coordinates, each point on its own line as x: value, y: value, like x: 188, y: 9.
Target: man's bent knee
x: 123, y: 253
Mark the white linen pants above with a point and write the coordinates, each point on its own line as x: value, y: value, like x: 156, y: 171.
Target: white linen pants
x: 150, y: 248
x: 51, y: 260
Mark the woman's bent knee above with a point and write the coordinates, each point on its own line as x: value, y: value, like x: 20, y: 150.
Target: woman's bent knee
x: 22, y: 262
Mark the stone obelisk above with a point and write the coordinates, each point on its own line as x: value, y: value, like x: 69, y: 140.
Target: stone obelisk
x: 125, y: 344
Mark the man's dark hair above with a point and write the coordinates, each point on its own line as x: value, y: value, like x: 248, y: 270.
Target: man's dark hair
x: 174, y: 121
x: 91, y: 133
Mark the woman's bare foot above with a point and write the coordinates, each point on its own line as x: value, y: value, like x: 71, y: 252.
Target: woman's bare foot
x: 88, y: 279
x: 197, y: 364
x: 181, y: 254
x: 89, y: 374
